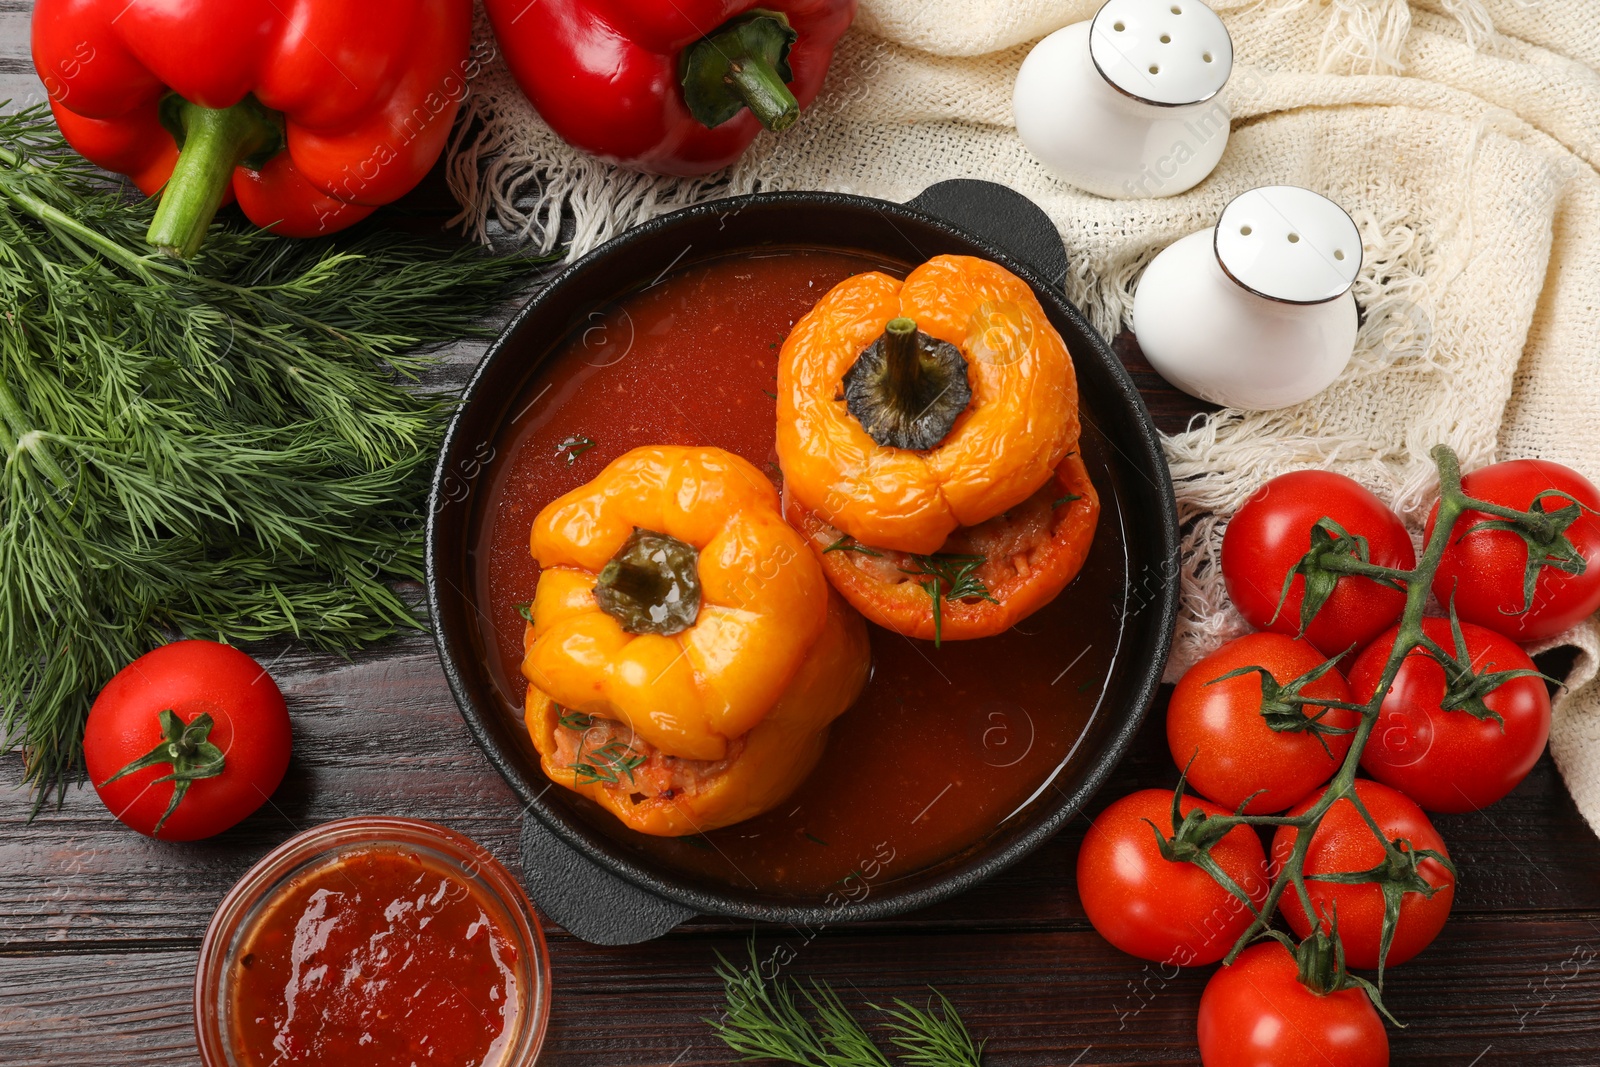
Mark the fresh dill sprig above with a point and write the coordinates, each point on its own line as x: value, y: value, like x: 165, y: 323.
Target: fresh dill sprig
x: 765, y: 1019
x: 948, y: 577
x: 850, y: 544
x: 929, y: 1040
x: 576, y: 720
x: 606, y: 764
x: 217, y: 448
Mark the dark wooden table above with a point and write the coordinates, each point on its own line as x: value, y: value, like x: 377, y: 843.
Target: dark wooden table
x: 99, y: 928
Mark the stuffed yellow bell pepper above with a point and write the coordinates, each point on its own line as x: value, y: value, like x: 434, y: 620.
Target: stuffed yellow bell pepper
x: 686, y: 654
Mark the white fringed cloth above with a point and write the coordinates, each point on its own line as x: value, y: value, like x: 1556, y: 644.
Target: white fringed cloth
x: 1463, y: 135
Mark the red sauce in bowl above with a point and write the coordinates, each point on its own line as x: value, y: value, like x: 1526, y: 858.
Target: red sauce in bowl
x: 379, y: 942
x: 945, y: 744
x: 377, y: 957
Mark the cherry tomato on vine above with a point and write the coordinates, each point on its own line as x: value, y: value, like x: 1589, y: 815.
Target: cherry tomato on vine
x: 1273, y: 533
x: 1236, y: 735
x: 1159, y: 909
x: 204, y: 712
x: 1344, y: 842
x: 1486, y: 569
x: 1438, y: 739
x: 1257, y: 1013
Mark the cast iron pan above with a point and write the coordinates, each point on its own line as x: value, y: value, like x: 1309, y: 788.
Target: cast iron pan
x: 587, y: 882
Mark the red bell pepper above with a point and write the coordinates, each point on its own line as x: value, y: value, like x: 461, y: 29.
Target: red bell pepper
x: 675, y: 88
x: 310, y: 112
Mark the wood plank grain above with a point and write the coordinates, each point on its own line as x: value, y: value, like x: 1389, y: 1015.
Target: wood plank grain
x: 380, y: 734
x: 18, y: 83
x: 1060, y: 997
x: 133, y: 1009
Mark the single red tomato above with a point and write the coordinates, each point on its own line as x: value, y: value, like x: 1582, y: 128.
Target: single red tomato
x: 1344, y: 842
x: 1485, y: 569
x: 1426, y: 746
x: 1272, y: 533
x: 196, y: 706
x: 1257, y: 1013
x: 1232, y: 750
x: 1159, y: 909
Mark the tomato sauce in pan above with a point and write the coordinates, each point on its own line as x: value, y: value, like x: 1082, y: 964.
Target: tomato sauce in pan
x: 945, y: 743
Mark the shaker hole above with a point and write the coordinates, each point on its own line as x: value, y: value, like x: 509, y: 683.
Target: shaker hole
x: 1154, y: 69
x: 1206, y: 56
x: 1245, y: 231
x: 1166, y: 38
x: 1338, y: 253
x: 1294, y: 238
x: 1119, y: 27
x: 1176, y: 10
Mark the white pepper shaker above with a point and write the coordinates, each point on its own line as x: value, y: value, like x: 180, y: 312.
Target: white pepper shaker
x: 1256, y: 313
x: 1127, y: 105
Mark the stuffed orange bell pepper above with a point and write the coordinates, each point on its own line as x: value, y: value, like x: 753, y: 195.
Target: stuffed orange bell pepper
x: 983, y: 580
x: 927, y: 432
x: 686, y: 654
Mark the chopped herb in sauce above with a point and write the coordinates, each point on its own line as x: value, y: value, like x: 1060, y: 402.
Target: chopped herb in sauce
x: 573, y: 447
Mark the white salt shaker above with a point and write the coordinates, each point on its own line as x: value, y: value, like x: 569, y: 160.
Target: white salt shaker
x: 1256, y: 313
x: 1126, y: 105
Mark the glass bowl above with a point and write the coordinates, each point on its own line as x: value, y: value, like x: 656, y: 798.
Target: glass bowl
x: 444, y: 851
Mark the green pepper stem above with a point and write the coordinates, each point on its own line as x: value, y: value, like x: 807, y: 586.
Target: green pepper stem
x: 652, y: 584
x: 741, y: 64
x: 214, y: 143
x: 643, y: 584
x: 901, y: 358
x: 764, y: 92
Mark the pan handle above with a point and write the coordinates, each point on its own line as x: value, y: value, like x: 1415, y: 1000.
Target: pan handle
x: 587, y: 900
x: 1002, y: 216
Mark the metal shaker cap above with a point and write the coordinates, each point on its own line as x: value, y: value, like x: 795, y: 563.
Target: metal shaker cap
x: 1164, y: 52
x: 1289, y: 244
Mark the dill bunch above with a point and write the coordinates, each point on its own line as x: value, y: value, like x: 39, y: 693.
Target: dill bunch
x: 765, y: 1020
x: 221, y: 448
